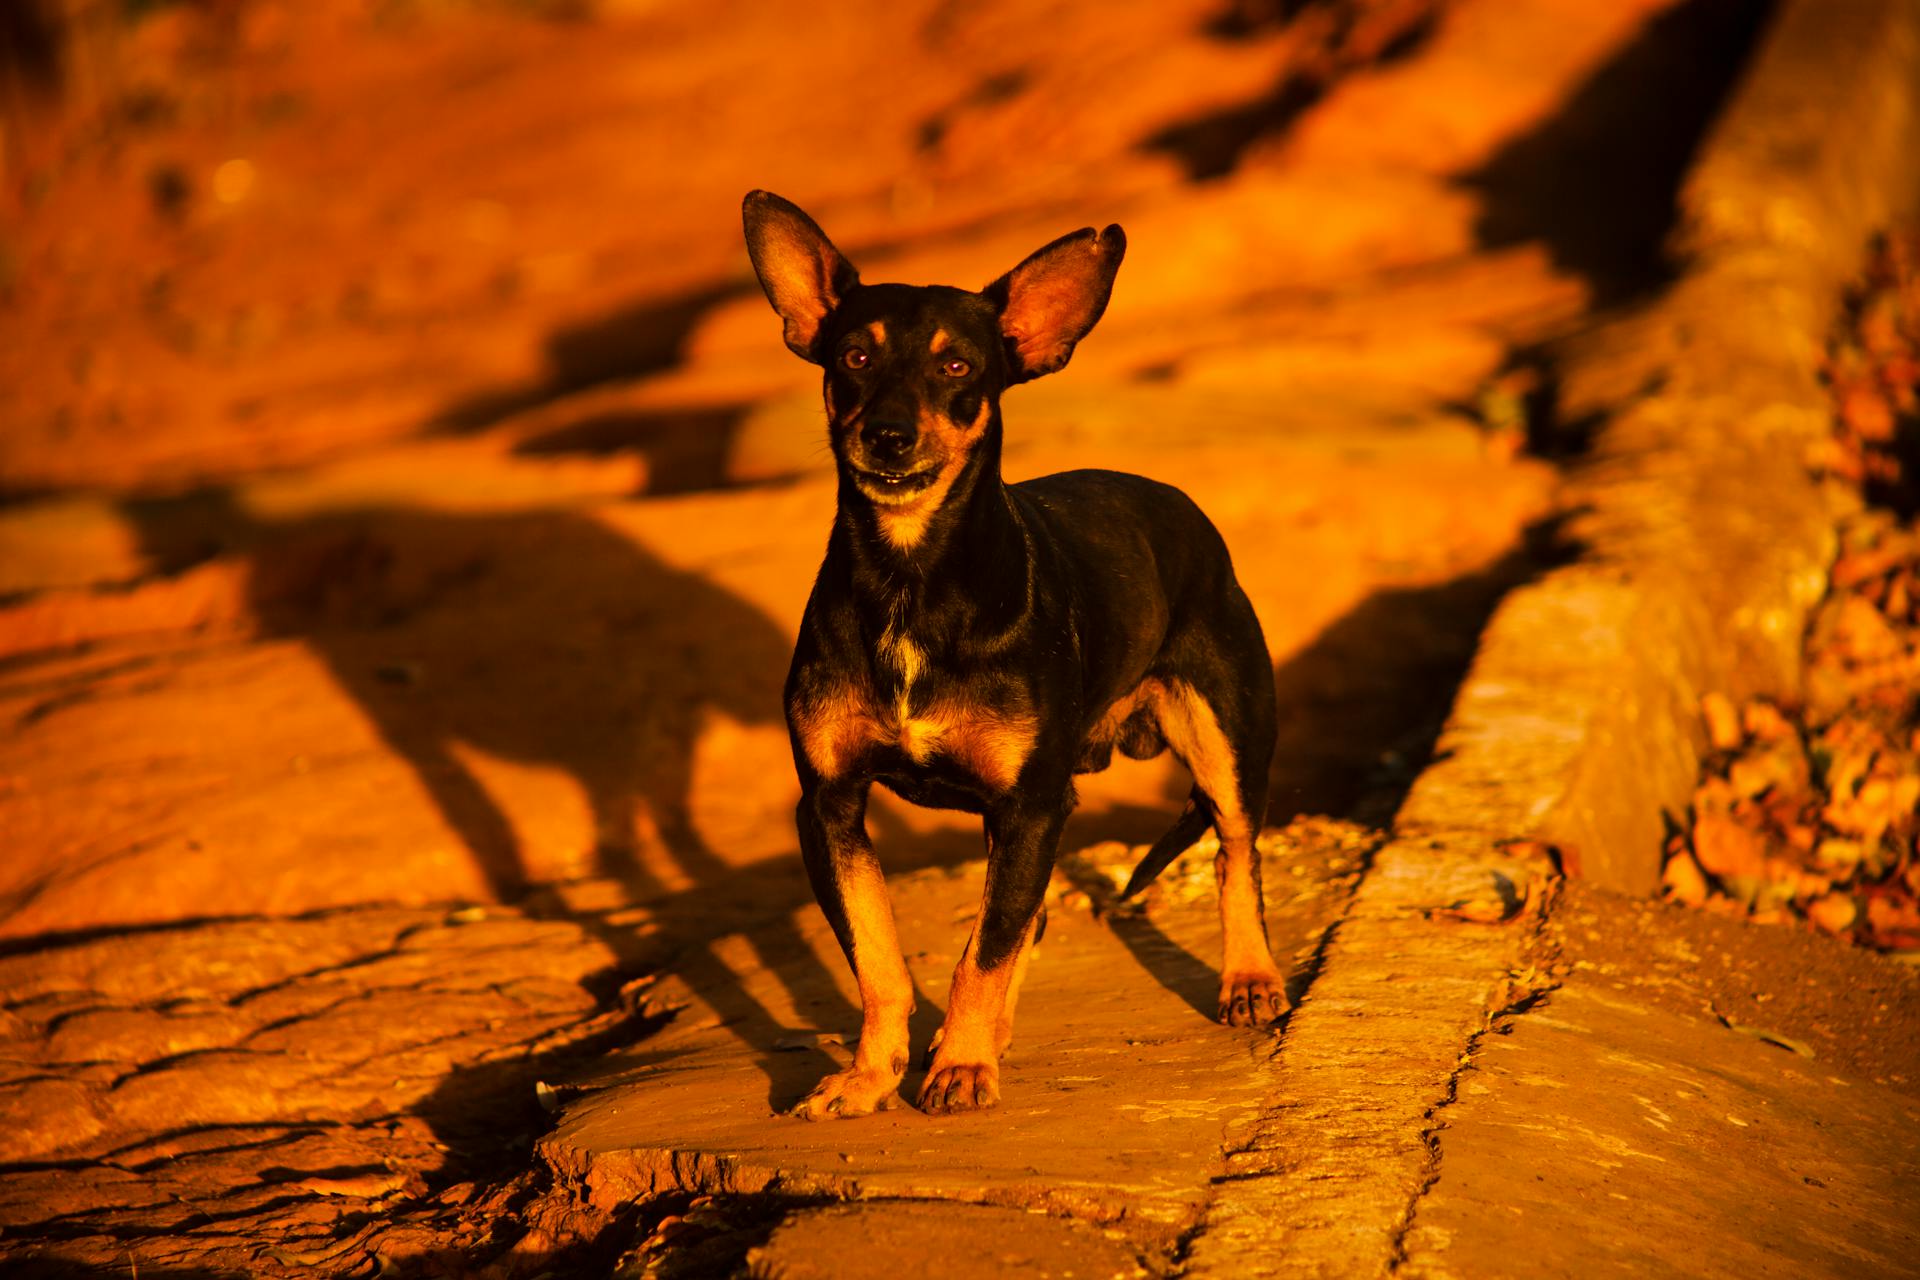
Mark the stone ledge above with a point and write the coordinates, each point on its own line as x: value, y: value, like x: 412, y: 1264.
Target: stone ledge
x: 1704, y: 539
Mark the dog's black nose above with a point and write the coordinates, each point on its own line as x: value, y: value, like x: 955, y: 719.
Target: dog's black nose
x: 888, y: 440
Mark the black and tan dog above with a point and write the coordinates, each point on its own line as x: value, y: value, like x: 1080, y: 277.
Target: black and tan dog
x: 973, y: 645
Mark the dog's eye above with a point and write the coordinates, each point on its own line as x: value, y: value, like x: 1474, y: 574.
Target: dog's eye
x: 854, y: 358
x: 956, y: 368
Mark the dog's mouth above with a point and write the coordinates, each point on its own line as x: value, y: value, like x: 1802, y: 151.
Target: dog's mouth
x: 893, y: 486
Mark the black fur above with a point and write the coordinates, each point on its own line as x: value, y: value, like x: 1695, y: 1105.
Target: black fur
x: 1041, y: 603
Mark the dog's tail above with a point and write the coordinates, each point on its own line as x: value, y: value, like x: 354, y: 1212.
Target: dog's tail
x: 1193, y: 820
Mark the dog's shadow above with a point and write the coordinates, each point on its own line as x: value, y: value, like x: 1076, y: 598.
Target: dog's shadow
x: 545, y: 639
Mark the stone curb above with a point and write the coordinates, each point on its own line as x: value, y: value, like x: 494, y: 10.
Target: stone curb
x: 1704, y: 544
x: 1327, y: 1182
x: 1704, y: 540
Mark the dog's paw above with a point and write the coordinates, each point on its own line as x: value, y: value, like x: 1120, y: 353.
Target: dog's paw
x: 961, y: 1086
x: 853, y: 1092
x: 1252, y: 999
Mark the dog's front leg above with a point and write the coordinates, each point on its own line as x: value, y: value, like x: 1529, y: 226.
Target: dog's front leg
x: 852, y: 892
x: 1023, y: 839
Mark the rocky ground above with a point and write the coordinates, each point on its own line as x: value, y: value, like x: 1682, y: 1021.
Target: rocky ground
x: 410, y: 510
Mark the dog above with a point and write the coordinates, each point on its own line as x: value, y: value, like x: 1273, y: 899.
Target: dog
x: 972, y: 644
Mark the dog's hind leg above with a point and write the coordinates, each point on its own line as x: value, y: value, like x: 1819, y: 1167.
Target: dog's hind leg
x: 1225, y: 738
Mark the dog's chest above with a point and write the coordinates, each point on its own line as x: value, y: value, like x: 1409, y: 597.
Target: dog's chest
x: 903, y: 716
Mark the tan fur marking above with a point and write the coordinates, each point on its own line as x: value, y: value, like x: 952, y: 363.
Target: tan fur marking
x: 1108, y: 728
x: 1244, y: 945
x: 904, y: 656
x: 1192, y: 730
x: 940, y: 342
x: 976, y: 1008
x: 832, y: 725
x: 886, y: 999
x: 876, y: 946
x: 904, y: 525
x: 990, y: 744
x: 1003, y: 1030
x: 879, y: 331
x: 994, y: 748
x: 980, y: 1005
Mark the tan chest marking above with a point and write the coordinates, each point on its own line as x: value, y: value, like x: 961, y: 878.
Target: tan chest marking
x: 906, y: 658
x: 835, y: 726
x: 989, y: 743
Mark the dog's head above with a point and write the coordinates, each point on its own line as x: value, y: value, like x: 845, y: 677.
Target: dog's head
x: 913, y: 374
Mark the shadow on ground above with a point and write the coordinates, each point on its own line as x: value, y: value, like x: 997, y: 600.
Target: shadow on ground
x: 1335, y: 40
x: 639, y: 339
x: 1597, y: 181
x: 545, y: 639
x: 1362, y: 705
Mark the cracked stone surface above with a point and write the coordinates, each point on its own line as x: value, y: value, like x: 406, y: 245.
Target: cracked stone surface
x: 266, y: 1095
x: 1437, y: 940
x: 1117, y: 1095
x: 1632, y: 1117
x: 871, y: 1242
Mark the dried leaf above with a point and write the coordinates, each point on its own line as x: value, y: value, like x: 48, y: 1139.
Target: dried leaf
x: 1834, y: 913
x: 1723, y: 723
x: 1488, y: 910
x: 1809, y: 885
x: 807, y: 1040
x: 1800, y: 836
x: 1800, y: 1047
x: 1856, y: 567
x: 1867, y: 814
x: 1816, y: 814
x: 1762, y: 720
x: 1726, y: 847
x: 1861, y: 632
x: 1780, y: 766
x: 1899, y: 602
x: 1683, y: 880
x: 1865, y: 412
x: 1888, y: 914
x: 1833, y: 458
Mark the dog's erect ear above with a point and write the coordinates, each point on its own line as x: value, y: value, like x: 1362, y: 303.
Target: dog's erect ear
x: 804, y: 275
x: 1054, y: 298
